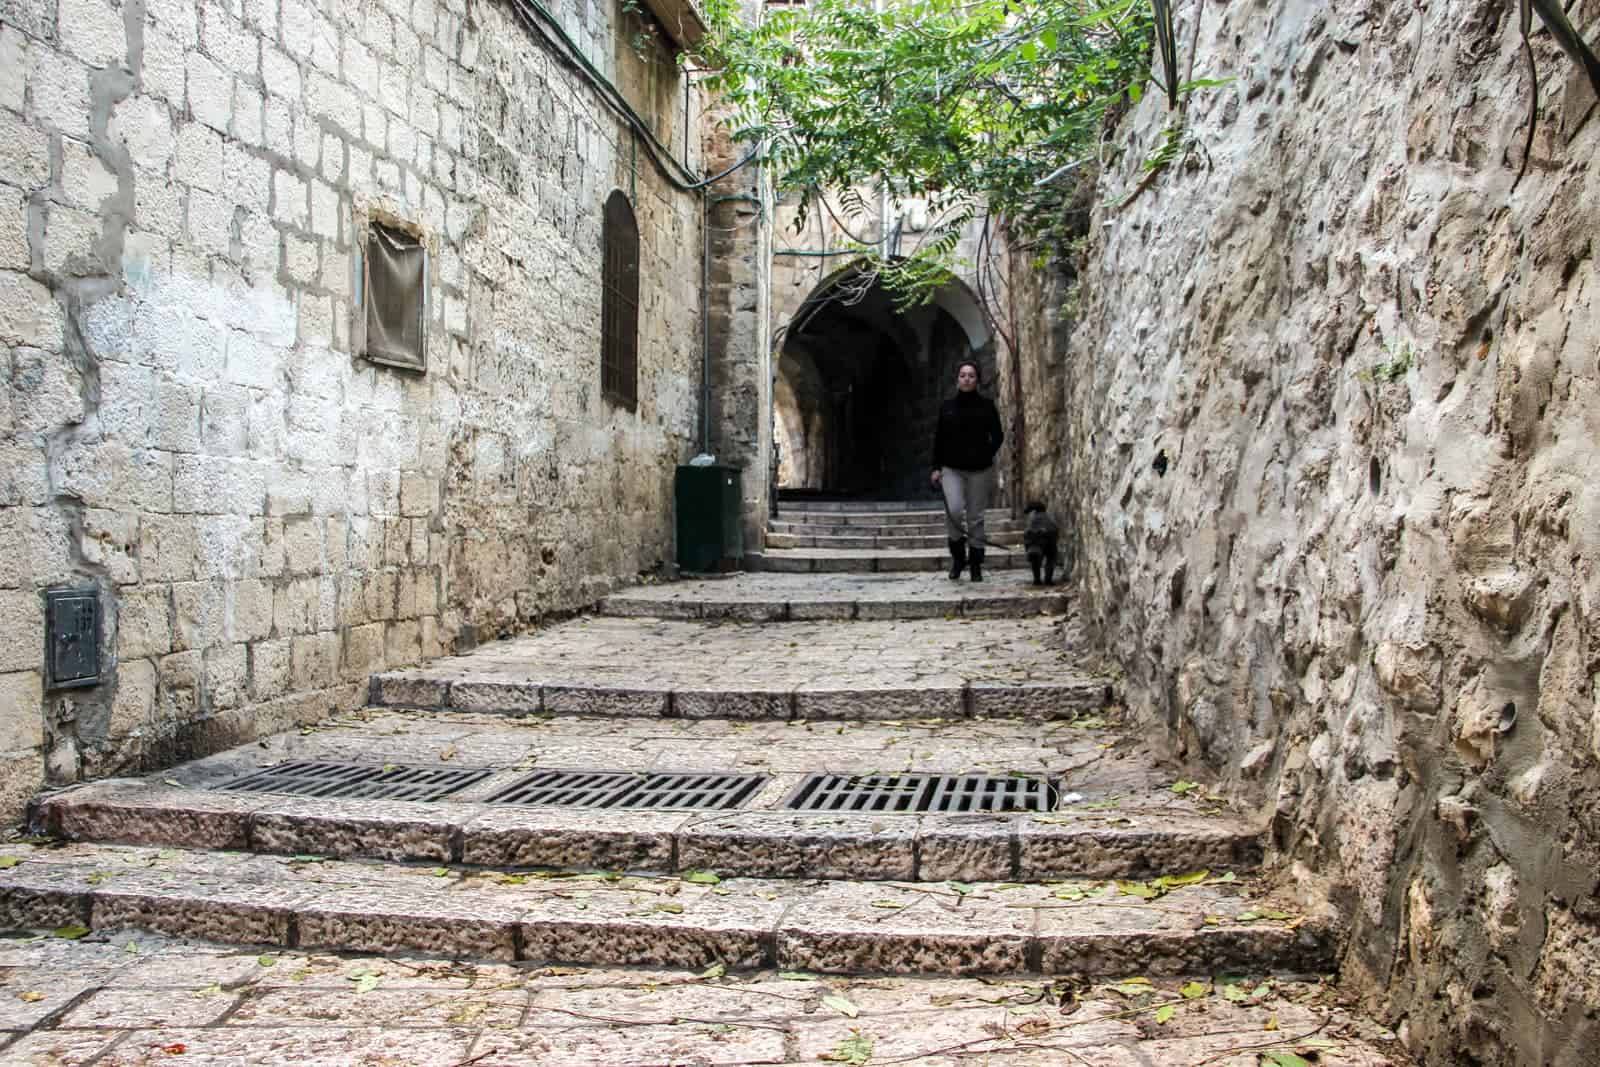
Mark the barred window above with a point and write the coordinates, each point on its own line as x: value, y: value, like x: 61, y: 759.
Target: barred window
x: 619, y: 304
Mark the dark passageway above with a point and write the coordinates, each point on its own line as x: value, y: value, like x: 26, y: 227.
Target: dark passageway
x: 859, y: 387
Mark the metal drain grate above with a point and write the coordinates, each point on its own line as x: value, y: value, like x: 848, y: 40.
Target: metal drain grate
x: 622, y: 789
x: 355, y: 781
x: 922, y: 793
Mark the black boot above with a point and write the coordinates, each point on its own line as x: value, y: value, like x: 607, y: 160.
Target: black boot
x: 975, y: 557
x: 958, y: 556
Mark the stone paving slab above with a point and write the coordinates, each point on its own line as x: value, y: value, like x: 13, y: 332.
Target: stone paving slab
x: 869, y: 670
x: 1116, y: 816
x: 297, y: 1007
x: 751, y: 597
x: 1083, y: 927
x: 869, y: 560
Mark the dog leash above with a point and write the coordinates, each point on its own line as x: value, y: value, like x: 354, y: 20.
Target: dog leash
x: 950, y: 518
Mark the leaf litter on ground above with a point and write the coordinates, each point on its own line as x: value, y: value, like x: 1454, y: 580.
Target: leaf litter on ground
x: 842, y: 1005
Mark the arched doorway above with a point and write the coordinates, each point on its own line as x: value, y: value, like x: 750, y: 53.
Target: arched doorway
x: 859, y: 385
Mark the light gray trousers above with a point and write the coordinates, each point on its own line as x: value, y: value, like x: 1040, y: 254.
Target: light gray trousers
x: 966, y: 498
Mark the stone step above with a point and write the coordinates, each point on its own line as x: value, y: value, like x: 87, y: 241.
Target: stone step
x: 934, y: 541
x: 794, y: 598
x: 868, y: 560
x: 759, y: 843
x: 829, y: 528
x: 867, y: 507
x: 136, y: 997
x: 1114, y: 816
x: 929, y: 514
x: 937, y: 668
x: 824, y: 926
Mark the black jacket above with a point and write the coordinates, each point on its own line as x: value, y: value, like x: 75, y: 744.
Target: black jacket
x: 969, y: 433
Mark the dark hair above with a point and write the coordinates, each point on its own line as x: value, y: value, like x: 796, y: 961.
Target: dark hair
x: 976, y: 370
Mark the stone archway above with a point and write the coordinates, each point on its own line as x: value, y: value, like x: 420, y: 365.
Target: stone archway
x: 859, y: 384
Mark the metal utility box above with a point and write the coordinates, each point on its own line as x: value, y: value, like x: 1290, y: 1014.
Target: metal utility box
x: 710, y: 502
x: 72, y: 620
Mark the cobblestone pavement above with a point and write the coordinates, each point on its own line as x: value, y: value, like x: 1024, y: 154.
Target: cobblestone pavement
x: 135, y: 999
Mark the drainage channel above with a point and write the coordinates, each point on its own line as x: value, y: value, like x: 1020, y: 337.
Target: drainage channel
x: 356, y: 781
x: 658, y: 790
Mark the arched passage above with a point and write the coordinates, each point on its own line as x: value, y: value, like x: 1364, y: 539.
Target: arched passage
x: 859, y: 386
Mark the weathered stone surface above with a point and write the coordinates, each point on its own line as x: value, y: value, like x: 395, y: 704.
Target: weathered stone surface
x: 851, y: 928
x: 313, y: 1007
x: 1143, y: 830
x: 866, y: 560
x: 757, y: 596
x: 572, y: 839
x: 106, y: 812
x: 1349, y: 479
x: 384, y: 919
x: 904, y: 669
x: 1173, y: 843
x: 776, y: 845
x: 194, y: 225
x: 386, y: 830
x: 732, y: 704
x: 836, y: 926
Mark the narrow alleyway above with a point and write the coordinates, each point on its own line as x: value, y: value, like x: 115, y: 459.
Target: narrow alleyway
x: 850, y: 817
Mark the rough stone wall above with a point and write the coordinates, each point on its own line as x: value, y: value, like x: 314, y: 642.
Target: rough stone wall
x: 1326, y: 426
x: 739, y: 332
x: 267, y: 518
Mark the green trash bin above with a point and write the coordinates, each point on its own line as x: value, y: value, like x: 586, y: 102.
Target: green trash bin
x: 710, y: 502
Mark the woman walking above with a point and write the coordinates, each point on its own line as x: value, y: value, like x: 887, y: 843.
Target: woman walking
x: 964, y: 445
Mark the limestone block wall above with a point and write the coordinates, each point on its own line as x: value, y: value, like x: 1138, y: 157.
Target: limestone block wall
x: 1327, y: 432
x: 739, y: 292
x: 266, y: 517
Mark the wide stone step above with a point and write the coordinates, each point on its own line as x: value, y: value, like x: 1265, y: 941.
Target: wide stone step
x: 934, y: 541
x: 868, y: 560
x: 828, y: 528
x: 1112, y: 814
x: 924, y: 514
x: 762, y: 843
x: 799, y: 670
x: 794, y: 598
x: 825, y: 926
x: 788, y: 503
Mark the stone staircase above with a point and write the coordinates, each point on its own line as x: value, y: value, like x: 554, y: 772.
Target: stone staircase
x: 1118, y: 870
x: 881, y: 537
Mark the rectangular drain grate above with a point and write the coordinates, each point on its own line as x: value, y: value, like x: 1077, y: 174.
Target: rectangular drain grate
x: 355, y: 781
x: 890, y: 793
x: 676, y: 791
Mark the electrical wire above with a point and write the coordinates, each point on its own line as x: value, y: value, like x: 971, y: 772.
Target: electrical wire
x: 550, y: 28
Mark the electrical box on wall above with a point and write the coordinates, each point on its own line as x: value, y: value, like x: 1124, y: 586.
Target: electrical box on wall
x: 72, y: 628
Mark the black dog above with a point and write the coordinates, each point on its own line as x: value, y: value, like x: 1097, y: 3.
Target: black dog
x: 1042, y: 540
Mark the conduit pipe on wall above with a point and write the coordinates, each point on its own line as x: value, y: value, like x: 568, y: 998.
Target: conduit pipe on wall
x: 705, y: 322
x: 550, y: 28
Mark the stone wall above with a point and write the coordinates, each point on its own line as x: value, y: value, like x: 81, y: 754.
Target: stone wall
x: 266, y: 517
x: 739, y: 429
x: 1326, y: 429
